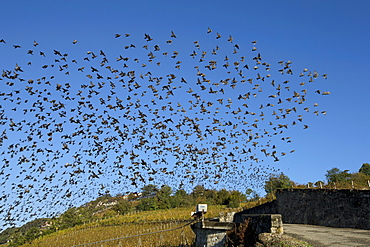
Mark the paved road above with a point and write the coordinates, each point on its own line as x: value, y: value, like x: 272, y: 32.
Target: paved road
x: 320, y: 236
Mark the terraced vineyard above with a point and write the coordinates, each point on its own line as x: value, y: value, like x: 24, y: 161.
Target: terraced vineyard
x: 118, y: 231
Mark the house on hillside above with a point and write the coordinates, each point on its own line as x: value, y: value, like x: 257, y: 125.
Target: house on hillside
x: 106, y: 204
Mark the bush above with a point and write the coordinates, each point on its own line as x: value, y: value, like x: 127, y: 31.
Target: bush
x: 122, y: 207
x: 147, y: 204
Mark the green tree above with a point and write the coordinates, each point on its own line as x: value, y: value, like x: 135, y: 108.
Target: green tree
x: 251, y: 195
x: 123, y: 206
x: 69, y: 218
x: 182, y: 199
x: 5, y: 235
x: 32, y: 234
x: 365, y: 169
x: 235, y: 198
x: 248, y: 193
x: 255, y: 196
x: 360, y: 179
x: 198, y: 191
x: 198, y: 194
x: 277, y: 181
x: 165, y: 190
x: 181, y: 193
x: 149, y: 190
x: 147, y: 204
x: 164, y: 197
x: 335, y: 175
x: 223, y: 197
x: 211, y: 196
x: 19, y: 238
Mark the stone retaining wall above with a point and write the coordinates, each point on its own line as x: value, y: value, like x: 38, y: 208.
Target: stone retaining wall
x: 324, y: 207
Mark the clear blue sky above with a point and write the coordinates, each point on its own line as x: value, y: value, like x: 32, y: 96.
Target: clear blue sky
x: 331, y: 37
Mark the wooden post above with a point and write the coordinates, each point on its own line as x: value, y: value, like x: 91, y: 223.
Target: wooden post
x: 139, y: 243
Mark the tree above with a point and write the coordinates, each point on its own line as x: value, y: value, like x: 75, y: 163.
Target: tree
x: 20, y: 239
x: 5, y: 235
x: 181, y: 193
x: 335, y: 175
x: 147, y: 204
x: 222, y: 197
x: 360, y: 179
x: 198, y: 191
x: 255, y: 196
x: 277, y: 181
x: 211, y: 196
x: 165, y: 190
x: 235, y: 198
x: 249, y: 192
x: 32, y: 234
x: 251, y: 195
x: 181, y: 199
x: 365, y: 169
x: 122, y: 207
x: 149, y: 190
x: 164, y: 197
x: 69, y: 218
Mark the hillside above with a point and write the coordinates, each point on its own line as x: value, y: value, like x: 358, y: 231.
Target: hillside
x: 153, y: 209
x: 134, y: 223
x: 112, y: 217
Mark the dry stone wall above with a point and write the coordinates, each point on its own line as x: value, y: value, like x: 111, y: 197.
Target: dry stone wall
x: 334, y: 208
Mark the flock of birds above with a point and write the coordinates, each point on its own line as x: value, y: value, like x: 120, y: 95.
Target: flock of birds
x: 73, y: 127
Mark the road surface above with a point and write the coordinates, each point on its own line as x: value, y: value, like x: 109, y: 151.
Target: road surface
x: 320, y: 236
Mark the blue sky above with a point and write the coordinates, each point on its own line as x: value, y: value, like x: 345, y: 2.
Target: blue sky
x: 330, y: 37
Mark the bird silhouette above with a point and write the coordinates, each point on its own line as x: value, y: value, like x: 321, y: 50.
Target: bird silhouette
x: 149, y: 114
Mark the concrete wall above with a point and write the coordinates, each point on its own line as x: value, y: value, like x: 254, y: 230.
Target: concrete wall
x: 335, y: 208
x: 211, y: 233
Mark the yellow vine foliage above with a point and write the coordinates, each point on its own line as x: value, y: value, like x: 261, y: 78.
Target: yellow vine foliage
x: 131, y: 224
